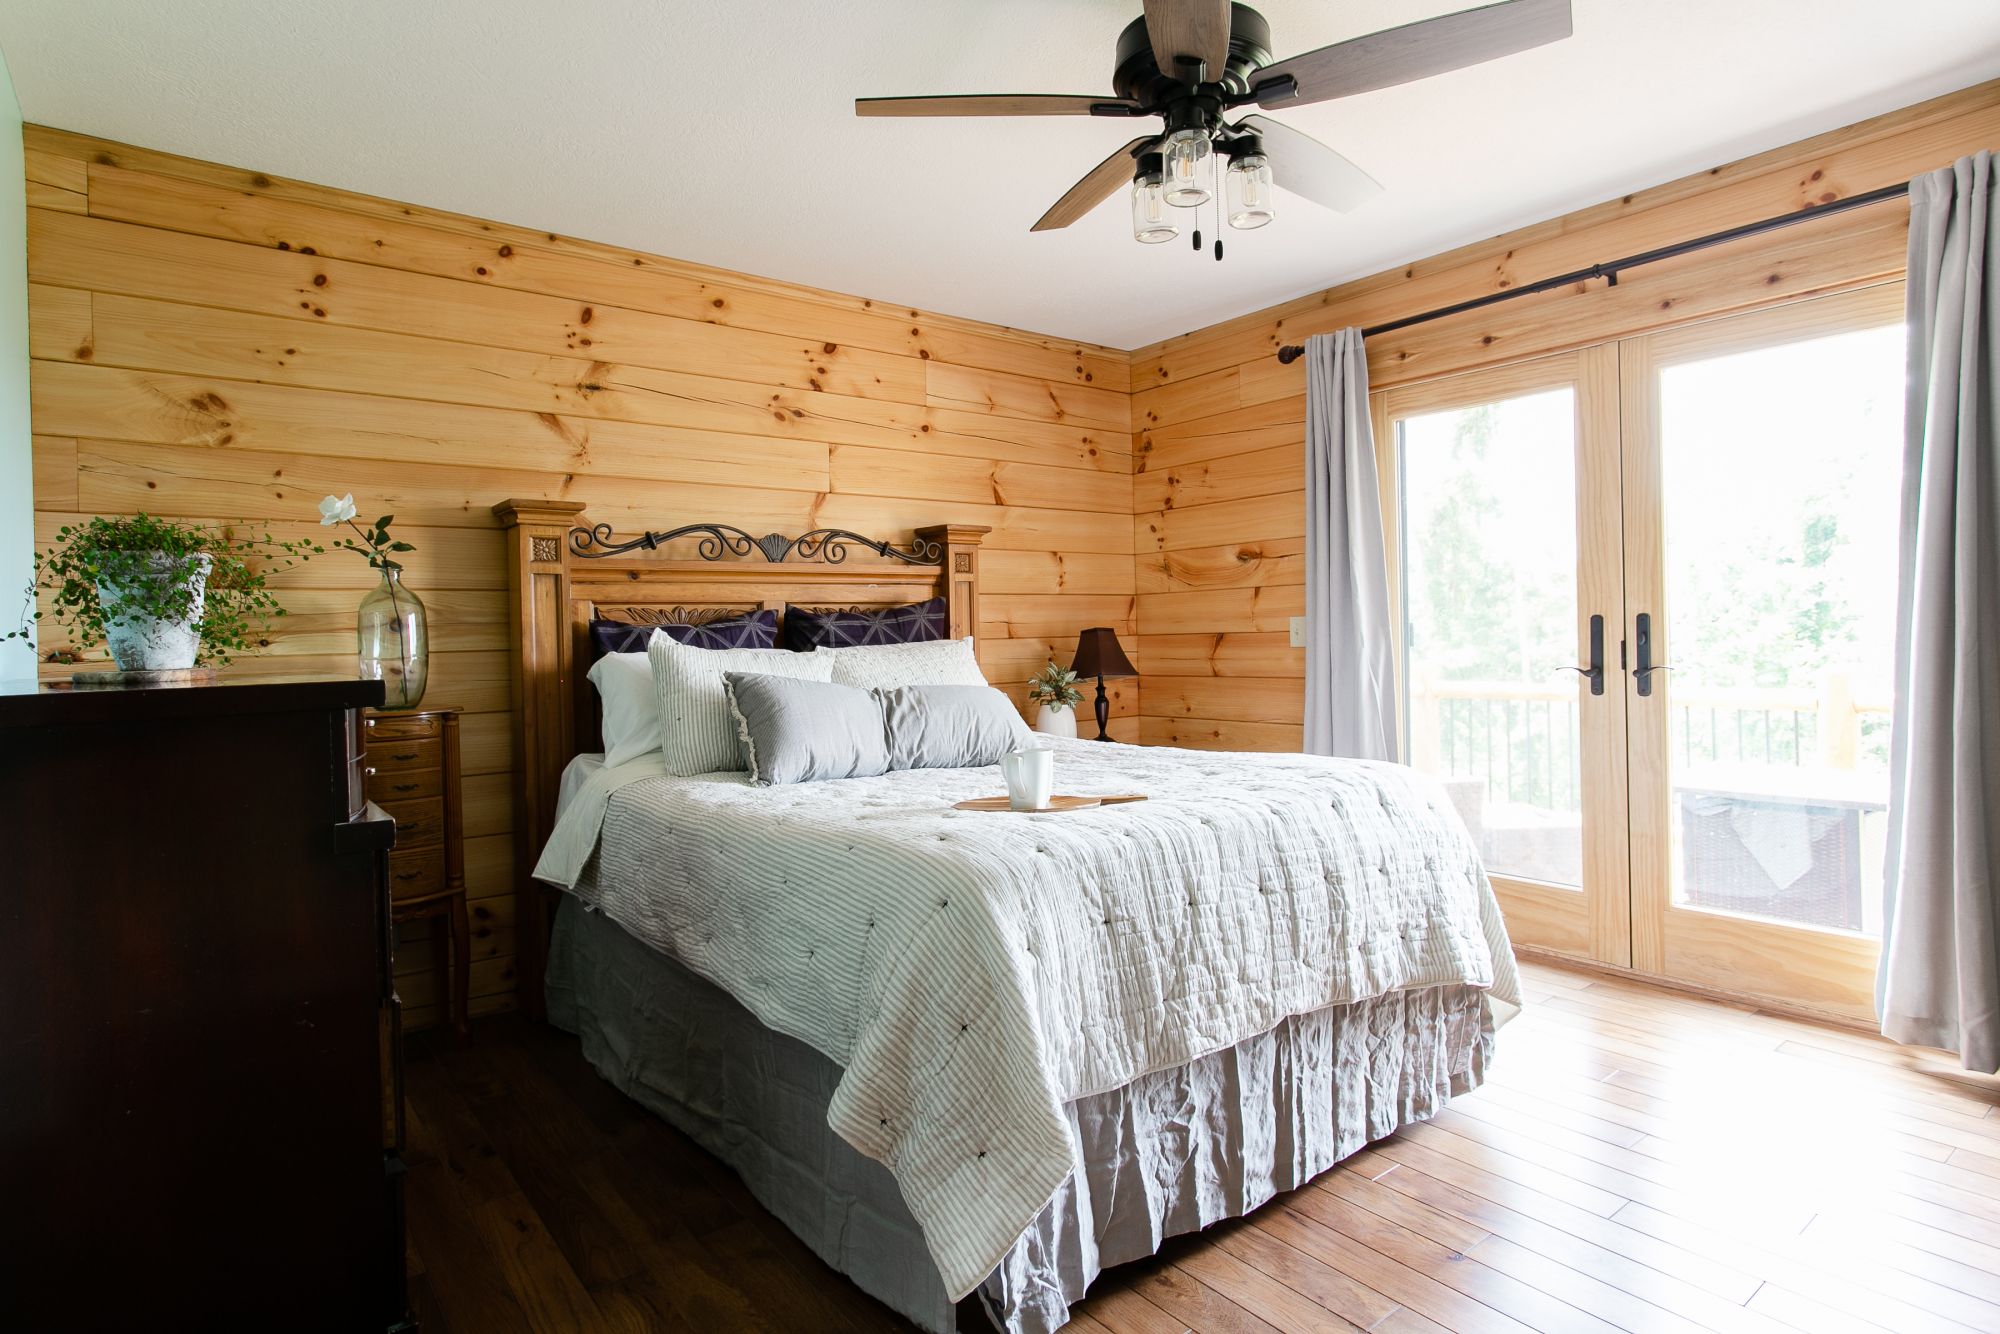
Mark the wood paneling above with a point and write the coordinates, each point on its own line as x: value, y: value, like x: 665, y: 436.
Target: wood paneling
x: 211, y: 343
x: 1847, y: 161
x: 1219, y: 515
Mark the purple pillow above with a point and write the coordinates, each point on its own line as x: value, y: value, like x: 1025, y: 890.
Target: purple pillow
x: 908, y: 624
x: 757, y: 629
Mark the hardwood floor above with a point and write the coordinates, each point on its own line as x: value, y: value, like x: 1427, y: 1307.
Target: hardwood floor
x: 1641, y: 1161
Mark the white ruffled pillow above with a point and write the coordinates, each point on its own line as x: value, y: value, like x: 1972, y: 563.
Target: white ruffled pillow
x: 936, y: 662
x: 697, y: 731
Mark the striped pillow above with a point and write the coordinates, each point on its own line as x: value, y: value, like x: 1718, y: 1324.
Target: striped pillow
x: 697, y: 731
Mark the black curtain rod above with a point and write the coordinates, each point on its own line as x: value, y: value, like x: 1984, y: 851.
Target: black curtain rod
x: 1291, y: 352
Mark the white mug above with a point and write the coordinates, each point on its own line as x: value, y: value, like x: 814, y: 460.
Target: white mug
x: 1031, y: 774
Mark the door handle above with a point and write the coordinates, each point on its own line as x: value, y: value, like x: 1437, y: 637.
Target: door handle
x: 1642, y: 647
x: 1595, y: 672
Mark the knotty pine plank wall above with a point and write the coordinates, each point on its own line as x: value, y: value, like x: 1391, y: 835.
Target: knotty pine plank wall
x: 1219, y: 525
x: 214, y: 343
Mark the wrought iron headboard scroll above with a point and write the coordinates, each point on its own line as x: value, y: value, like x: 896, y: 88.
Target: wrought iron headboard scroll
x: 720, y: 541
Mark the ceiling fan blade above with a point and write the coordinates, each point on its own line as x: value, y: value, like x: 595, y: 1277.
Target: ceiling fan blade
x: 1311, y: 170
x: 996, y: 104
x: 1099, y: 184
x: 1195, y: 28
x: 1413, y: 51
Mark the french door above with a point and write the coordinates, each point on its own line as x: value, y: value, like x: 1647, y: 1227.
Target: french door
x: 1506, y: 553
x: 1648, y: 594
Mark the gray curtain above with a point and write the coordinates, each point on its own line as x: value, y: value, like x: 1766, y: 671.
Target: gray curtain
x: 1940, y: 980
x: 1350, y: 665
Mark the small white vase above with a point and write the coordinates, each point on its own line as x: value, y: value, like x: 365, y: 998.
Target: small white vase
x: 1056, y: 720
x: 148, y: 644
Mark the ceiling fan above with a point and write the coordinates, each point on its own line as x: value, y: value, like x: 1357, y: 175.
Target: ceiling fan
x: 1192, y: 62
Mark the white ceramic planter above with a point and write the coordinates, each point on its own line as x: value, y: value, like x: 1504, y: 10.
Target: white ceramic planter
x: 1055, y: 720
x: 144, y: 644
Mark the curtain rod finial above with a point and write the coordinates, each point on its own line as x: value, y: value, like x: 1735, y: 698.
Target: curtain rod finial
x: 1290, y: 353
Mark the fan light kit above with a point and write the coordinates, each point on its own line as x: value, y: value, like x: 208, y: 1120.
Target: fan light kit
x: 1192, y: 62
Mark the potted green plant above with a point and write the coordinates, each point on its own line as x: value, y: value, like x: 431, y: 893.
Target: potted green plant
x: 162, y: 595
x: 1054, y: 689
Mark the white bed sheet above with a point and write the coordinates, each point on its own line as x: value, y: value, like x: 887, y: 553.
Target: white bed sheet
x: 574, y: 775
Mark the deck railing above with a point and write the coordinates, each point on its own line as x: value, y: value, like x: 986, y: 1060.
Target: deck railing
x: 1522, y: 737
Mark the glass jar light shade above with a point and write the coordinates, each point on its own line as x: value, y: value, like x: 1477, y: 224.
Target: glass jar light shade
x: 1249, y: 192
x: 1152, y: 220
x: 1187, y: 158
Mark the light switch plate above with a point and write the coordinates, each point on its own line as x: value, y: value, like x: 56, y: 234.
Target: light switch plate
x: 1298, y: 631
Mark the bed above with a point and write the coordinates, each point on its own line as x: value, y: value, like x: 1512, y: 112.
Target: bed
x: 964, y: 1054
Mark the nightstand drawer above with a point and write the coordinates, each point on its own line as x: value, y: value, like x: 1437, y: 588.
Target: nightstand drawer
x: 416, y: 872
x: 419, y: 823
x: 390, y: 752
x: 382, y: 727
x: 404, y: 784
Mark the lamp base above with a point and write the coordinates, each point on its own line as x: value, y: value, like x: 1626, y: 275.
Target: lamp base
x: 1103, y: 712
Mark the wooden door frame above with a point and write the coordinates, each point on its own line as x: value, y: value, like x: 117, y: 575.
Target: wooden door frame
x: 1833, y: 971
x: 1547, y: 915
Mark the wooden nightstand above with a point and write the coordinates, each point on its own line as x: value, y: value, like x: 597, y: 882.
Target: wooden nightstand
x: 412, y: 773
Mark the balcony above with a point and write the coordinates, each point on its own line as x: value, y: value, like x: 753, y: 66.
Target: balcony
x: 1778, y: 795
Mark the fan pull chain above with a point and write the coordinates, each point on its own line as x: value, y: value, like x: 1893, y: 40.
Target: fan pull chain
x: 1218, y: 229
x: 1196, y: 210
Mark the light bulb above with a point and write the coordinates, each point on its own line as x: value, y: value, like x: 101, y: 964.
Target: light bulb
x: 1152, y: 220
x: 1187, y: 166
x: 1249, y: 191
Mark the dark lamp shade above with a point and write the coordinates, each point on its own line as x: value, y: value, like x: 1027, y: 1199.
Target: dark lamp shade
x: 1098, y: 654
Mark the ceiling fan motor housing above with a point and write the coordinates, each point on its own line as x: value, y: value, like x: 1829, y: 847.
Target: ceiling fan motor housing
x: 1138, y: 75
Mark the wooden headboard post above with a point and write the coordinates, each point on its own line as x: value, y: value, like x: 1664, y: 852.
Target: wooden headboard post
x: 562, y: 574
x: 961, y: 572
x: 537, y: 546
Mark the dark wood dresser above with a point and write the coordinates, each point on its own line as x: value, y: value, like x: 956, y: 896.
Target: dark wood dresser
x: 200, y: 1079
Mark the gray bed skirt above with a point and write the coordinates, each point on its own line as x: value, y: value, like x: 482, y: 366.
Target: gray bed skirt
x: 1171, y: 1152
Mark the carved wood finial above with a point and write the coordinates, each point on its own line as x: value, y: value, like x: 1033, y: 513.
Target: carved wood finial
x: 519, y: 511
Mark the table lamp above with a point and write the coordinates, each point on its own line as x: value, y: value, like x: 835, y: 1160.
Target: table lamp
x: 1098, y: 655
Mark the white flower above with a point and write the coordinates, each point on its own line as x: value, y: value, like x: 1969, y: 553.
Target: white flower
x: 336, y: 509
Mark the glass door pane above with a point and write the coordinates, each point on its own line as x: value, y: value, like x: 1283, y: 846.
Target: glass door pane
x: 1490, y: 610
x: 1506, y: 531
x: 1762, y: 496
x: 1780, y: 469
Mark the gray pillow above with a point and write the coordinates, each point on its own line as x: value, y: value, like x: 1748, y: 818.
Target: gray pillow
x: 949, y: 727
x: 795, y: 731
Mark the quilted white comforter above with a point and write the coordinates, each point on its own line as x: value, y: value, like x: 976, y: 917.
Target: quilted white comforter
x: 972, y: 972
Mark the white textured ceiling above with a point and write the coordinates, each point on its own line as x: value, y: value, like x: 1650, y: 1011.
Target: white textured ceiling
x: 724, y: 132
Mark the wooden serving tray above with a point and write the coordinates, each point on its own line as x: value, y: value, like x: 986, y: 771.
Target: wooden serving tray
x: 1056, y: 803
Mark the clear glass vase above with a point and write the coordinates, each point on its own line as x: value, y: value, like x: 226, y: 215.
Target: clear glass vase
x: 394, y: 641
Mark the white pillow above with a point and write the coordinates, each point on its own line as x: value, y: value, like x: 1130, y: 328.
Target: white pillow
x: 935, y: 662
x: 697, y: 731
x: 630, y: 707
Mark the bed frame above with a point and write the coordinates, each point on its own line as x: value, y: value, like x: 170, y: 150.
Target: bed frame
x: 562, y: 573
